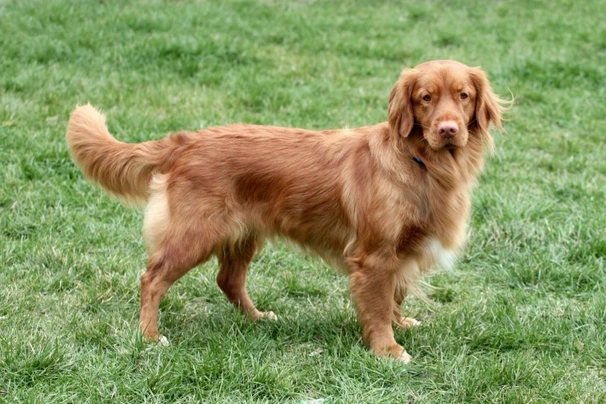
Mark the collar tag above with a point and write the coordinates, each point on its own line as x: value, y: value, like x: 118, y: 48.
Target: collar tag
x: 418, y: 160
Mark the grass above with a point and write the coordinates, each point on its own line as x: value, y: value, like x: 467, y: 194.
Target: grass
x: 522, y: 319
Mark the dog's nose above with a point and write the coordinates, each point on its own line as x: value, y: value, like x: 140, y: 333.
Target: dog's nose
x: 448, y: 129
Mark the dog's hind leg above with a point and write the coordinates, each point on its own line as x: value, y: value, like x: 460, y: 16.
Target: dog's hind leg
x: 180, y: 250
x: 175, y: 244
x: 234, y: 260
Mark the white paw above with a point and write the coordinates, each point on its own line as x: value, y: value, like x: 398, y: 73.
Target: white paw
x: 405, y: 357
x: 407, y: 322
x: 270, y: 315
x: 163, y: 341
x: 414, y: 323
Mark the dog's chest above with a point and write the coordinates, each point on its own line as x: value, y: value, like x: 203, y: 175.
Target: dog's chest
x: 438, y: 255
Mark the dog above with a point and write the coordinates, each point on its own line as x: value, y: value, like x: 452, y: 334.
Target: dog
x: 384, y: 204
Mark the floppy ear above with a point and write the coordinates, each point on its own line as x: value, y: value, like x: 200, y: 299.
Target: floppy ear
x: 488, y: 104
x: 400, y: 113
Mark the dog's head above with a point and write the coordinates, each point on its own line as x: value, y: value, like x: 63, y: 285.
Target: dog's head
x: 447, y: 101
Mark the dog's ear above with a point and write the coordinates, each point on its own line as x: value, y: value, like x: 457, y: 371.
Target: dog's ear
x: 400, y: 113
x: 488, y: 104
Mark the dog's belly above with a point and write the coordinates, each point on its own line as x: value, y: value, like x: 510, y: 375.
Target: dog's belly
x: 326, y: 242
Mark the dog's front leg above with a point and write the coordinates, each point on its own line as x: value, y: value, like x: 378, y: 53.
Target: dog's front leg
x: 398, y: 319
x: 372, y: 285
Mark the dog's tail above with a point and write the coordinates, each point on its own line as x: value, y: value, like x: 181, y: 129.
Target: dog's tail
x: 122, y: 169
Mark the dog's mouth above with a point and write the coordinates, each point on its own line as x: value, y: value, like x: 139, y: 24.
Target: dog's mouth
x: 454, y: 142
x: 437, y: 143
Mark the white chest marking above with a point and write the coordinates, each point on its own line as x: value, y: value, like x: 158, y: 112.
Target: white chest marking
x: 442, y: 258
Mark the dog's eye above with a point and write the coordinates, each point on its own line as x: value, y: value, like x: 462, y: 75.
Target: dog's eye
x: 427, y: 97
x: 464, y: 96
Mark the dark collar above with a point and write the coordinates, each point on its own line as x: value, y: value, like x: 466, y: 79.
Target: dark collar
x: 418, y: 160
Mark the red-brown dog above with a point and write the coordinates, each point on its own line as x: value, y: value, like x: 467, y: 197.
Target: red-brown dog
x: 382, y: 203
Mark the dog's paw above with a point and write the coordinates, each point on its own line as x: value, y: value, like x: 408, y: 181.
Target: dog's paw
x: 404, y: 357
x: 261, y: 315
x: 407, y: 322
x: 158, y: 339
x: 163, y: 341
x: 270, y: 315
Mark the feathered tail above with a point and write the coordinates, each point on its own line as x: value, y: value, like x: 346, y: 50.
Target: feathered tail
x: 123, y: 169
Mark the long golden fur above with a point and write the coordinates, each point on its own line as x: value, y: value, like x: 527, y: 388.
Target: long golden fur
x: 382, y: 203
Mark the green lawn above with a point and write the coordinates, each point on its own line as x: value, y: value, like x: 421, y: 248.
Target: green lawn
x: 523, y: 317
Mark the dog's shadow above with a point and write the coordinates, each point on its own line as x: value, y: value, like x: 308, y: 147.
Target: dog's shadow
x: 217, y: 326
